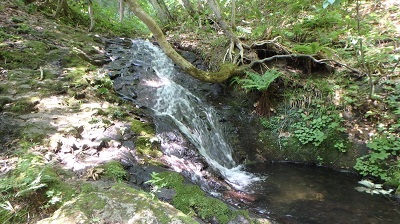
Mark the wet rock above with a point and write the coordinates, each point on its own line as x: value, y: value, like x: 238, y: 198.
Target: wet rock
x: 189, y: 56
x: 165, y: 194
x: 103, y: 144
x: 139, y: 175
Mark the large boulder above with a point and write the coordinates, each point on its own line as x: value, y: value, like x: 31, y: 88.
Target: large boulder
x: 118, y: 204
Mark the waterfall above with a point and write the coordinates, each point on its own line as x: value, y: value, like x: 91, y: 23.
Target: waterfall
x: 195, y: 119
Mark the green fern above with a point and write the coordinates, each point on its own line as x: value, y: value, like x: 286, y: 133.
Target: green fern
x: 255, y: 81
x: 313, y: 49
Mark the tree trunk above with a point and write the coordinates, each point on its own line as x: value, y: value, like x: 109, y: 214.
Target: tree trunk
x: 90, y: 10
x: 121, y: 10
x: 233, y: 14
x: 188, y: 6
x: 162, y: 11
x: 226, y: 71
x: 228, y: 32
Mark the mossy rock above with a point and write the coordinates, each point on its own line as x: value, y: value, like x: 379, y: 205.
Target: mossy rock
x: 190, y: 199
x: 114, y: 170
x: 31, y: 55
x: 119, y: 204
x: 142, y: 128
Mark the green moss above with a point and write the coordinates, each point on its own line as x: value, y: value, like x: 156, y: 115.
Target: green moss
x: 145, y: 201
x: 145, y: 143
x: 87, y: 188
x: 191, y: 200
x: 22, y: 106
x: 145, y: 147
x: 90, y: 203
x: 73, y: 60
x: 32, y: 55
x: 114, y: 170
x: 142, y: 128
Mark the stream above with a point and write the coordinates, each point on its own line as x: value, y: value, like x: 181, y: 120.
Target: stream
x: 295, y: 193
x: 196, y: 141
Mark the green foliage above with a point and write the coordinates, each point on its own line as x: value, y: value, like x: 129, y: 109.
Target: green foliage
x: 254, y: 81
x: 315, y: 128
x: 272, y: 123
x: 313, y: 49
x: 382, y: 161
x: 4, y: 36
x: 23, y: 189
x: 191, y: 200
x: 393, y: 98
x: 103, y: 86
x: 107, y: 20
x: 156, y: 182
x: 114, y: 170
x: 340, y: 146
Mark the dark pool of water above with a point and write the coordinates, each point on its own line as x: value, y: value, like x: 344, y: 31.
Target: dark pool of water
x: 306, y: 194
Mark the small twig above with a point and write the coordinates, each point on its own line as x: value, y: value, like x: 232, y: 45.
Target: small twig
x: 41, y: 73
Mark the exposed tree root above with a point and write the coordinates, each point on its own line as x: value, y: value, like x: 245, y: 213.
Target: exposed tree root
x: 273, y: 42
x: 285, y: 53
x: 230, y: 51
x: 293, y: 56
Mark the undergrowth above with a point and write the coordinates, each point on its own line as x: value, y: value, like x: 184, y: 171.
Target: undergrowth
x: 33, y: 186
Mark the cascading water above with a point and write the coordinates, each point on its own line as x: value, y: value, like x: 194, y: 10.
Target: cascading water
x: 195, y: 119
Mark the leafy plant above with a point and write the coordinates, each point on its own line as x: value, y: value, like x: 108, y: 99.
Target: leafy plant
x: 340, y: 146
x: 314, y: 128
x: 272, y: 123
x: 254, y: 81
x: 156, y: 183
x: 313, y: 49
x: 382, y: 161
x: 22, y: 189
